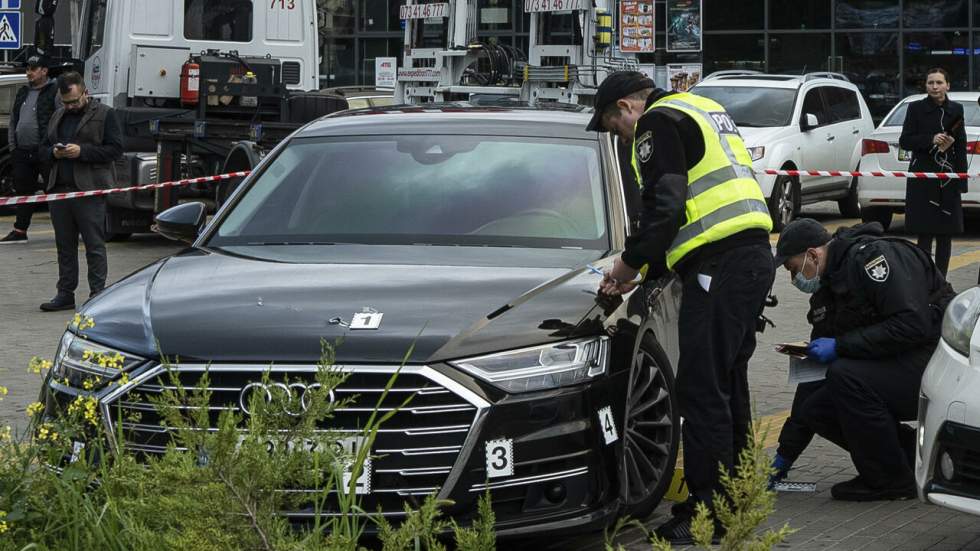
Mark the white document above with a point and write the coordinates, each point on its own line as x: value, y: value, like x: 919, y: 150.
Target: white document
x: 705, y: 282
x: 805, y: 371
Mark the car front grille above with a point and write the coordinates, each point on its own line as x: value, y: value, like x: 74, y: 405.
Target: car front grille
x: 414, y: 454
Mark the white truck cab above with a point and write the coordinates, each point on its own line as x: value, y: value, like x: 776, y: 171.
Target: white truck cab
x: 134, y: 50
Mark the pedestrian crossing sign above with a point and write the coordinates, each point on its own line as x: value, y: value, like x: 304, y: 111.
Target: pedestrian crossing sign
x: 9, y: 30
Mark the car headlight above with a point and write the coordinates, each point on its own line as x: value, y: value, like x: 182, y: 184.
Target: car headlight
x: 960, y: 319
x: 541, y: 367
x: 757, y: 152
x: 81, y: 363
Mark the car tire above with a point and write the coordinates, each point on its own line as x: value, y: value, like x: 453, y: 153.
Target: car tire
x: 849, y: 206
x: 784, y: 202
x: 651, y: 431
x: 882, y: 215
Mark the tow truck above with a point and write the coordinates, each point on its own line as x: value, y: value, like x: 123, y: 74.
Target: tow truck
x: 210, y: 86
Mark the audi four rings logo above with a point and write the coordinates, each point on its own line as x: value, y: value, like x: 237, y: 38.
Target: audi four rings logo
x: 295, y: 396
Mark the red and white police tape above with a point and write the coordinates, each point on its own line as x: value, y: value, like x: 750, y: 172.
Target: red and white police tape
x: 25, y: 199
x: 871, y: 174
x: 47, y: 198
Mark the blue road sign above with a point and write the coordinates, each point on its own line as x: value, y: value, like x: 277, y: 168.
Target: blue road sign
x: 9, y: 30
x: 9, y: 4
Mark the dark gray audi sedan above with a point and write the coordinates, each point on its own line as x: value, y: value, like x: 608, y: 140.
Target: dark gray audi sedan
x: 474, y: 235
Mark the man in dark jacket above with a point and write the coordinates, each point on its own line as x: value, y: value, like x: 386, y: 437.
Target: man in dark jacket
x: 29, y: 117
x: 880, y: 323
x: 83, y: 141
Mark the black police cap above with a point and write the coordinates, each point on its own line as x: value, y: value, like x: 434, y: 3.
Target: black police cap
x: 616, y: 86
x: 798, y: 236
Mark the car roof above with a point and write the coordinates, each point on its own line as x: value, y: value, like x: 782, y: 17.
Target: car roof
x: 563, y: 121
x: 955, y: 96
x: 773, y: 81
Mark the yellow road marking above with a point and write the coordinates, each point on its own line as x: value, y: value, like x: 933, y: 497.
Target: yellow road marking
x: 964, y: 259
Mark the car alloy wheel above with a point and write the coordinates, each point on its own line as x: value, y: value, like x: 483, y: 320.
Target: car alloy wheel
x: 651, y: 431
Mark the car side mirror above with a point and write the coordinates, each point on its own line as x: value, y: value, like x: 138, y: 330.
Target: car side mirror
x: 809, y: 122
x: 183, y: 222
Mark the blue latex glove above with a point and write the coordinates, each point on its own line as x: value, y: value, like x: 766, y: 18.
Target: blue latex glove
x: 781, y: 467
x: 823, y: 350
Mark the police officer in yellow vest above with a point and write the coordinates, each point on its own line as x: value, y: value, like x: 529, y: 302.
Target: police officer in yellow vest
x: 703, y: 216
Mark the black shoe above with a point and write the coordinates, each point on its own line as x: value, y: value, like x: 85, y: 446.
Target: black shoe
x: 15, y: 236
x: 58, y: 303
x: 857, y: 490
x: 677, y: 531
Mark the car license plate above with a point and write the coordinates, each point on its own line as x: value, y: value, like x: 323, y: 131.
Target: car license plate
x: 349, y: 446
x: 904, y: 156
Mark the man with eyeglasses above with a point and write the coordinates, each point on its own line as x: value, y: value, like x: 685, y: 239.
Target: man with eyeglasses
x: 83, y: 142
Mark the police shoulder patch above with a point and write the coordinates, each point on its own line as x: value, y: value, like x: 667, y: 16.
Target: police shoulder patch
x: 878, y: 269
x: 644, y: 147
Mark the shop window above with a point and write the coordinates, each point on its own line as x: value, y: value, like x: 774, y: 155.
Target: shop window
x: 924, y: 14
x: 725, y: 16
x: 734, y: 51
x: 924, y: 51
x: 866, y: 14
x: 798, y: 53
x: 799, y: 14
x: 871, y: 63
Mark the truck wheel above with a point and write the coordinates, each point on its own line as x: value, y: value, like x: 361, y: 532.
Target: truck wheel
x: 784, y: 203
x: 652, y: 430
x: 849, y: 206
x: 882, y: 215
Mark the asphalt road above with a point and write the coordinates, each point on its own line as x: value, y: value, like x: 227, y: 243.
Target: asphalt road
x: 27, y: 278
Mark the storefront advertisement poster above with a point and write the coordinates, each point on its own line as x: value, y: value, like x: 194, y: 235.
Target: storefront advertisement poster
x: 683, y: 76
x: 683, y: 25
x: 385, y: 72
x: 636, y: 26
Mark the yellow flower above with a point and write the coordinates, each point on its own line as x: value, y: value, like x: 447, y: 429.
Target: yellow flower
x: 6, y: 434
x: 34, y: 409
x: 38, y: 365
x: 88, y: 384
x: 81, y: 322
x: 46, y: 432
x: 3, y: 392
x: 123, y: 379
x: 3, y: 524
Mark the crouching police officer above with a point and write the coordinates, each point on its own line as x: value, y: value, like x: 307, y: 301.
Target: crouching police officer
x: 705, y: 217
x: 880, y: 317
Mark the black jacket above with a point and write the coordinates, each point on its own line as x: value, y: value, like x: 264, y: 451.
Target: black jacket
x: 879, y: 297
x: 677, y: 145
x: 46, y: 106
x: 933, y: 206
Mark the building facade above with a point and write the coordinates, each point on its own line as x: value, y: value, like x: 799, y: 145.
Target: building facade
x: 884, y: 46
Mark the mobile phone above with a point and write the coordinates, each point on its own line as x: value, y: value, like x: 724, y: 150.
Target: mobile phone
x: 60, y: 146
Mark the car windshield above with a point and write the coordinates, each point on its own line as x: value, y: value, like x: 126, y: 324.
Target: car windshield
x: 425, y: 189
x: 753, y: 107
x: 971, y: 113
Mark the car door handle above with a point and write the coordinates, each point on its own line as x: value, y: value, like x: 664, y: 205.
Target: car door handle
x: 856, y: 131
x: 831, y: 138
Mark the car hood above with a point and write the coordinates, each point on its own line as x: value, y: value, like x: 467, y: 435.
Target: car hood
x: 204, y: 306
x: 759, y: 136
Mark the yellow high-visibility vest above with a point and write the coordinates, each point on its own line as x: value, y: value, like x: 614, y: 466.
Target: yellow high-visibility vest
x: 723, y: 196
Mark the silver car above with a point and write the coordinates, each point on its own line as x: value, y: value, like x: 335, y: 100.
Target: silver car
x: 881, y: 197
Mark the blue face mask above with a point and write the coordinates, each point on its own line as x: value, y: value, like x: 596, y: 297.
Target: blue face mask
x: 805, y: 284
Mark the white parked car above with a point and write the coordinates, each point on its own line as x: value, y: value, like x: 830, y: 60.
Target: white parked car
x: 881, y: 198
x: 809, y: 122
x: 947, y: 463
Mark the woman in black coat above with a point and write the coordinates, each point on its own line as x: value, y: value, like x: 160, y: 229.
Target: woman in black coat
x: 935, y: 133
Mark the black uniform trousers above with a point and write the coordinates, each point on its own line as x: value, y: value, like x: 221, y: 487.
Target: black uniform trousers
x: 860, y: 406
x: 796, y: 434
x: 71, y: 218
x: 717, y: 337
x: 29, y: 173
